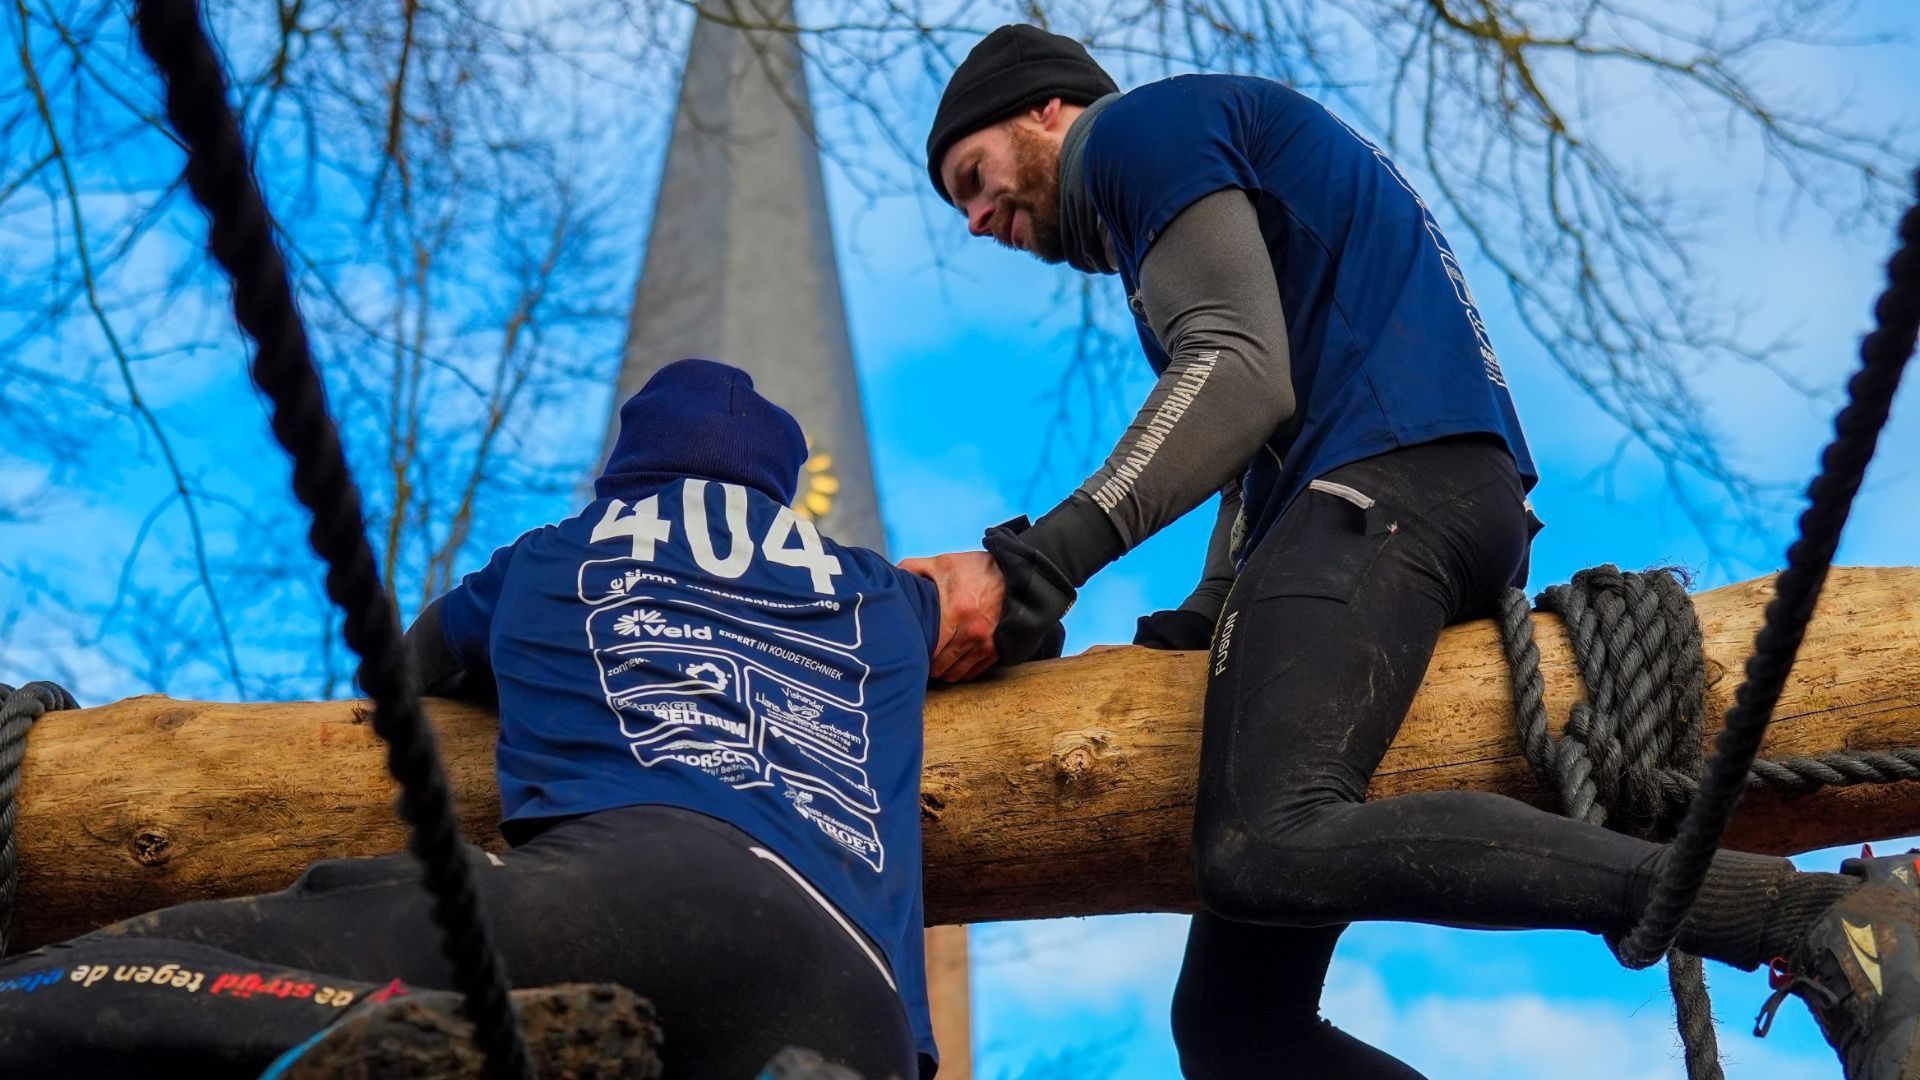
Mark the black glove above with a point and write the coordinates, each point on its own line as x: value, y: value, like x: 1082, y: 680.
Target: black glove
x: 1174, y: 629
x: 1038, y: 594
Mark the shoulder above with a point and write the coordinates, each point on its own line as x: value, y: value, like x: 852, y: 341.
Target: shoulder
x: 869, y: 566
x: 875, y: 572
x: 502, y: 558
x: 1176, y: 94
x: 1162, y: 146
x: 1185, y: 109
x: 880, y: 575
x: 529, y: 551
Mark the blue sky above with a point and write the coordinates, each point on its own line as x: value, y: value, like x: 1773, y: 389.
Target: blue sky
x: 958, y: 341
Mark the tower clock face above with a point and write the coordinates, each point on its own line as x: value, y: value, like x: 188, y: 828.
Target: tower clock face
x: 818, y: 484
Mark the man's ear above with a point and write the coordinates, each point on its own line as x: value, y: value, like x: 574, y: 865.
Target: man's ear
x: 1048, y: 115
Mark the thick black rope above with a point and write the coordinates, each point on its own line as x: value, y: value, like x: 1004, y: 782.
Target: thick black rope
x: 1637, y: 643
x: 1883, y: 355
x: 1693, y: 1015
x: 1634, y: 745
x: 241, y: 239
x: 18, y: 711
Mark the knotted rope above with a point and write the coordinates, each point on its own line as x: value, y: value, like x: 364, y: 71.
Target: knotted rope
x: 18, y: 711
x: 241, y: 239
x: 1637, y: 743
x: 1634, y: 746
x: 1632, y: 751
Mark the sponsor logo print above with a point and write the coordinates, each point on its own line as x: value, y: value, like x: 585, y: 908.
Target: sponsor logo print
x: 711, y: 674
x: 168, y: 975
x: 618, y: 586
x: 735, y: 767
x: 645, y: 622
x: 690, y: 715
x: 32, y: 980
x: 851, y: 831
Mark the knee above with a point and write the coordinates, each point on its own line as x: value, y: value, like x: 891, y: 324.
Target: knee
x: 1220, y: 872
x: 1241, y: 877
x: 1258, y: 879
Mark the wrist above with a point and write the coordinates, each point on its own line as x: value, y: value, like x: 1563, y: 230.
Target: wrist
x: 1037, y: 595
x: 1077, y: 537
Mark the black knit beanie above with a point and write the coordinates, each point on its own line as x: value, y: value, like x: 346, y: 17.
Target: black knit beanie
x: 1012, y: 70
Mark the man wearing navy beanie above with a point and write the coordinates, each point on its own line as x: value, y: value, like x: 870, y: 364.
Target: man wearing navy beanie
x: 699, y: 418
x: 1322, y: 367
x: 709, y: 765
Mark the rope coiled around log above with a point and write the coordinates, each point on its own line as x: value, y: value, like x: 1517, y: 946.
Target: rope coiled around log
x: 1632, y: 751
x: 19, y: 708
x: 1635, y: 744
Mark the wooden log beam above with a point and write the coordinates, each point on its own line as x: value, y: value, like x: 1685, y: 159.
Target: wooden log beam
x: 1061, y: 788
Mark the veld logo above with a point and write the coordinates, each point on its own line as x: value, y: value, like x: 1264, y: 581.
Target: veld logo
x: 645, y: 622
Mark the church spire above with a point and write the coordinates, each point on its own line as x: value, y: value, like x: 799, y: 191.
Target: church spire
x: 740, y: 264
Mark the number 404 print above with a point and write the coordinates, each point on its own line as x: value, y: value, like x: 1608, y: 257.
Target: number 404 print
x: 791, y: 540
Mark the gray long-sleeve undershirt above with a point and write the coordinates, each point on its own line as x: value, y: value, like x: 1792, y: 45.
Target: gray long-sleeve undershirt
x: 1209, y: 295
x: 1216, y: 577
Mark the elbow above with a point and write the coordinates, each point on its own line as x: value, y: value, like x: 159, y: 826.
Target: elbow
x: 1255, y: 375
x: 1284, y: 406
x: 1267, y: 413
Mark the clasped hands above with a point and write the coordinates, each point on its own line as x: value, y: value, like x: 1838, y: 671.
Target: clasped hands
x: 999, y: 605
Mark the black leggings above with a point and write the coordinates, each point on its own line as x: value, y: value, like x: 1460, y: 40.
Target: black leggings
x: 1320, y: 648
x: 738, y: 959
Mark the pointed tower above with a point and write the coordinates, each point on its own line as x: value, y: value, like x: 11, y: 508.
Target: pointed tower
x: 740, y: 268
x: 740, y: 264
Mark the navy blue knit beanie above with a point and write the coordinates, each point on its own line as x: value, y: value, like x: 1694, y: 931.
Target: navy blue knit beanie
x: 700, y: 418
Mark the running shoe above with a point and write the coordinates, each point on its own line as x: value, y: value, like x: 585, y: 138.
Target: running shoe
x: 1858, y: 969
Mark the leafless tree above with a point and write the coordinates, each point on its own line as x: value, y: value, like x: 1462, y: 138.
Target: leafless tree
x: 452, y: 185
x: 1521, y: 120
x: 461, y: 186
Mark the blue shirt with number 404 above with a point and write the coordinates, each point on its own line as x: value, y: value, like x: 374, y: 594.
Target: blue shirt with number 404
x: 697, y: 644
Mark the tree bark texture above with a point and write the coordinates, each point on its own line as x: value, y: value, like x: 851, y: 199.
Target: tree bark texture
x: 1058, y: 788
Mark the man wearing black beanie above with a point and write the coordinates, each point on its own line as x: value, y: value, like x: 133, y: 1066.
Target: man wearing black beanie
x: 1323, y: 367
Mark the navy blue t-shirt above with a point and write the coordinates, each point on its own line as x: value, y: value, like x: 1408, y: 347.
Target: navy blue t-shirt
x: 1388, y: 349
x: 699, y: 645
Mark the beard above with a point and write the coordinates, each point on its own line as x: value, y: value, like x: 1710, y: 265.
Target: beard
x: 1036, y: 177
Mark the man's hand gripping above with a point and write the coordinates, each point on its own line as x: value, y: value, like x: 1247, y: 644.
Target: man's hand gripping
x: 1001, y: 605
x: 973, y: 593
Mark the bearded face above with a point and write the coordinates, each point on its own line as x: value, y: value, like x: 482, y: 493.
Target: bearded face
x: 1035, y: 196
